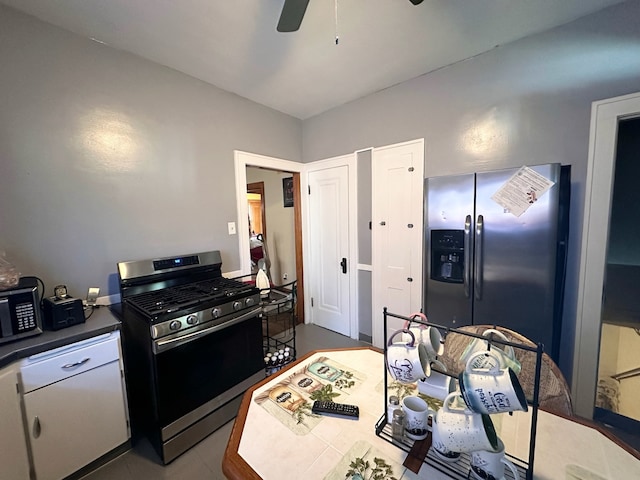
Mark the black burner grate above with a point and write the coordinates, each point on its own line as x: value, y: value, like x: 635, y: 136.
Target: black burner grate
x: 173, y: 299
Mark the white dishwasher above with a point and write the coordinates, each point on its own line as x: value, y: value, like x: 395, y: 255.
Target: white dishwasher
x: 74, y: 404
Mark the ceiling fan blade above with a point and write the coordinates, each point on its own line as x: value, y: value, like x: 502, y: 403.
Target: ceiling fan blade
x: 291, y: 15
x: 416, y: 2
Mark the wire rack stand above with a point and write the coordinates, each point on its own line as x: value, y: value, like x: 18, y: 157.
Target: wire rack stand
x: 461, y: 468
x: 279, y: 324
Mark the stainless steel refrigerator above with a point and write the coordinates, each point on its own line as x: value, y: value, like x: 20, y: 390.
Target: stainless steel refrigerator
x: 484, y: 264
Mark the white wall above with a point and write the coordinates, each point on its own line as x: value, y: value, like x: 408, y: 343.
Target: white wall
x: 525, y: 103
x: 106, y: 157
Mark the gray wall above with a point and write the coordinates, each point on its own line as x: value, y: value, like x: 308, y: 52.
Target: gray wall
x: 107, y: 157
x: 524, y: 103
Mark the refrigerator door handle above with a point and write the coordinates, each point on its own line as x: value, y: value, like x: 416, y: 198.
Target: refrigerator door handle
x: 477, y: 274
x: 466, y: 275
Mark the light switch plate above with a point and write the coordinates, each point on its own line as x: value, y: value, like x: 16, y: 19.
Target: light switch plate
x: 232, y: 228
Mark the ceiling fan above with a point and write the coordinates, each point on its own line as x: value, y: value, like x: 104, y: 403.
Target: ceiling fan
x: 293, y: 12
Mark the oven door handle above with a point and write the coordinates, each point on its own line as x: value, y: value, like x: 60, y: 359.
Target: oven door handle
x: 160, y: 346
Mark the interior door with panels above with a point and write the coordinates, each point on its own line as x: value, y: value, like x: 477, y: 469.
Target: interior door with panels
x: 397, y: 190
x: 329, y: 248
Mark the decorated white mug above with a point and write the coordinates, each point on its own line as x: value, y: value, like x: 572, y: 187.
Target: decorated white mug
x: 438, y: 446
x: 437, y: 385
x: 487, y: 465
x: 429, y: 336
x: 407, y: 362
x: 505, y: 357
x: 416, y: 417
x: 491, y: 390
x: 461, y: 430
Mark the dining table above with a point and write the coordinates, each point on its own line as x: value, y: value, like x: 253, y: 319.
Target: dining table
x: 276, y: 435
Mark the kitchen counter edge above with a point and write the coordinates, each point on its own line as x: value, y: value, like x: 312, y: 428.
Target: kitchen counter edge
x: 102, y: 320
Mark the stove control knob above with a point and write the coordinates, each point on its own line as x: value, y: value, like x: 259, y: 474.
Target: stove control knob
x: 237, y: 305
x: 249, y: 301
x: 192, y: 319
x: 215, y: 313
x: 175, y: 325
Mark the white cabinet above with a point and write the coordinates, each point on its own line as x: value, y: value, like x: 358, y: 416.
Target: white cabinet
x: 13, y: 446
x: 75, y: 407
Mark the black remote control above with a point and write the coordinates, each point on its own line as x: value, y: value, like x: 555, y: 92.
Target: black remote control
x: 335, y: 409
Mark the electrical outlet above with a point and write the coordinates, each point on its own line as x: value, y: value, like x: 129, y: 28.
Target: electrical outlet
x: 232, y: 228
x: 285, y: 276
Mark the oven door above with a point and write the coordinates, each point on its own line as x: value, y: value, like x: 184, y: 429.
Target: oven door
x: 196, y: 373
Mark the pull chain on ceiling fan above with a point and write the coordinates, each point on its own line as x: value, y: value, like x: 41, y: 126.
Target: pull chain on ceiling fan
x: 335, y: 14
x: 293, y: 13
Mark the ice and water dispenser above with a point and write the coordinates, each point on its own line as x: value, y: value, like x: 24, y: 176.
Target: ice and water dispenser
x: 447, y: 256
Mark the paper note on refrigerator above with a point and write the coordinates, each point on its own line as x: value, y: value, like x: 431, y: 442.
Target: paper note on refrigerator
x: 522, y: 190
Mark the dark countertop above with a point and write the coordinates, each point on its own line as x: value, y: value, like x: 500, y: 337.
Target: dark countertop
x: 102, y: 320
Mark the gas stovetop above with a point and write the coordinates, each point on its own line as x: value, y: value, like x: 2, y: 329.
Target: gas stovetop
x: 174, y: 294
x: 205, y: 294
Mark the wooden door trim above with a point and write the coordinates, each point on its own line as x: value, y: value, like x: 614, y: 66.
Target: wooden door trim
x: 297, y: 228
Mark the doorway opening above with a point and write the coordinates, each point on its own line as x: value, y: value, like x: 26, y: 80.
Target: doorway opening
x: 618, y: 385
x: 283, y: 241
x: 606, y: 118
x: 257, y: 228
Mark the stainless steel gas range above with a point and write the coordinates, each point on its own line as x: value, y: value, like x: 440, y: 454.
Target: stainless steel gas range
x: 192, y: 343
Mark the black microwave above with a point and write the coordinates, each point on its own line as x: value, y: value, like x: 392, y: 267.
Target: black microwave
x: 20, y: 311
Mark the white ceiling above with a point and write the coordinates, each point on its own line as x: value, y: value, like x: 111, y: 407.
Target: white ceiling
x: 233, y: 44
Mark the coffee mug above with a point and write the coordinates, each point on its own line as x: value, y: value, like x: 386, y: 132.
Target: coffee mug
x: 429, y: 336
x: 437, y: 385
x: 487, y: 465
x: 407, y: 362
x: 506, y: 357
x: 491, y: 390
x: 461, y: 430
x: 439, y: 448
x: 416, y: 417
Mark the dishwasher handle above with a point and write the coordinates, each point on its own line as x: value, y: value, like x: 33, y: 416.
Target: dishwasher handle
x: 76, y: 364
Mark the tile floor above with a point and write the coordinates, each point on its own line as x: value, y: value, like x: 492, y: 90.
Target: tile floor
x: 203, y: 461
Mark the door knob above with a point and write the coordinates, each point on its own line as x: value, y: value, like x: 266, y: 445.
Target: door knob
x: 343, y: 264
x: 383, y: 223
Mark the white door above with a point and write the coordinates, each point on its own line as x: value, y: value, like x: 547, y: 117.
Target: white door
x: 329, y: 248
x: 397, y: 177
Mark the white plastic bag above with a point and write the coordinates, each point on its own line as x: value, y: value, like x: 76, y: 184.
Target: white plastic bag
x: 9, y: 275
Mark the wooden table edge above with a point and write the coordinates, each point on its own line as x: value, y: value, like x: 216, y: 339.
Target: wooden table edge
x: 234, y: 466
